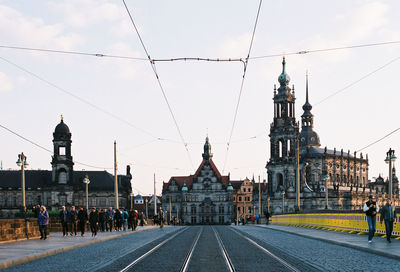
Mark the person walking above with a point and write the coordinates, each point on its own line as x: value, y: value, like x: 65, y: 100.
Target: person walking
x: 135, y: 220
x: 82, y: 219
x: 117, y: 220
x: 94, y: 221
x: 110, y: 219
x: 73, y: 219
x: 141, y: 217
x: 388, y: 213
x: 131, y: 216
x: 371, y: 208
x: 161, y: 218
x: 267, y: 216
x: 124, y: 218
x: 102, y: 220
x: 43, y: 221
x: 64, y: 216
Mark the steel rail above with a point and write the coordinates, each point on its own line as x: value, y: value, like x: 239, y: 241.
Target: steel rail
x: 283, y: 262
x: 228, y: 260
x: 151, y: 251
x: 190, y: 253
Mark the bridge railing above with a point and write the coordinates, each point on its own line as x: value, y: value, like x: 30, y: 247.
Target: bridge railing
x: 345, y: 222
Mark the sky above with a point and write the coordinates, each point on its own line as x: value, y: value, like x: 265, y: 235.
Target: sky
x: 107, y: 99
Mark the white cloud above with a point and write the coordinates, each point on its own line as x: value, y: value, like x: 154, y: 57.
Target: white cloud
x: 18, y: 29
x: 5, y: 83
x: 82, y: 13
x: 351, y: 28
x: 235, y: 46
x: 124, y: 69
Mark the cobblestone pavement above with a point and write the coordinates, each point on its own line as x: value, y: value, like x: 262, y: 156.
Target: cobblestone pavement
x: 293, y: 253
x: 93, y: 257
x: 322, y: 255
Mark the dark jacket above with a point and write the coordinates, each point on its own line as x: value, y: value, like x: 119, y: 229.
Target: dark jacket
x: 73, y: 216
x: 93, y: 218
x: 63, y: 218
x: 82, y: 215
x: 370, y: 211
x: 388, y: 213
x: 43, y: 218
x: 102, y: 217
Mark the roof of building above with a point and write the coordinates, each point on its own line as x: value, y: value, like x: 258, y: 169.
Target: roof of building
x: 321, y: 151
x: 62, y: 128
x: 180, y: 180
x: 34, y: 179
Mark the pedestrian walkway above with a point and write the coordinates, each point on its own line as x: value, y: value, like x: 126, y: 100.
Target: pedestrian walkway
x: 13, y: 253
x: 378, y: 246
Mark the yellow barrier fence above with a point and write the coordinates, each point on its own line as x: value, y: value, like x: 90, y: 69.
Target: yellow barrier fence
x: 346, y: 222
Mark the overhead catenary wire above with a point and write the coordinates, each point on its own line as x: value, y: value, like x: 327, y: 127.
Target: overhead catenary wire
x: 101, y: 55
x: 380, y: 139
x: 46, y: 149
x: 209, y: 59
x: 303, y: 52
x: 83, y: 100
x: 153, y: 66
x: 358, y: 80
x: 241, y: 86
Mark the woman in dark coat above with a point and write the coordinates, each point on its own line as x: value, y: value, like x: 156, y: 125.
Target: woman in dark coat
x: 43, y: 221
x: 94, y: 221
x: 118, y: 220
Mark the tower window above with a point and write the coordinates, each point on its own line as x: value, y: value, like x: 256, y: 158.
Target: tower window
x: 61, y: 150
x: 62, y: 177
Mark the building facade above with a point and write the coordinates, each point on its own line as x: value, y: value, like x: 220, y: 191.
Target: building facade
x: 342, y: 174
x: 202, y: 198
x: 62, y: 185
x: 243, y: 198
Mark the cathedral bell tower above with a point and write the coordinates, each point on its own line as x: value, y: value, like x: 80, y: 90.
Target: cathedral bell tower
x: 62, y: 164
x: 283, y: 131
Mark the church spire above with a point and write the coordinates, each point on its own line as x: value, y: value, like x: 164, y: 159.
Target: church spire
x: 308, y: 136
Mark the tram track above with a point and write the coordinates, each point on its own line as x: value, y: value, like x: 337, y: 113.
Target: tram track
x: 267, y: 252
x: 143, y: 257
x: 224, y: 252
x: 137, y: 260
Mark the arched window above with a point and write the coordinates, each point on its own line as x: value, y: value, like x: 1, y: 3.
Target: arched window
x: 279, y: 179
x: 62, y: 177
x: 280, y: 148
x: 289, y: 147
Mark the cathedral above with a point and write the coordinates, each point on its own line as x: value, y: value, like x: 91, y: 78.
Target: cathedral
x: 202, y: 198
x: 62, y: 185
x: 297, y: 155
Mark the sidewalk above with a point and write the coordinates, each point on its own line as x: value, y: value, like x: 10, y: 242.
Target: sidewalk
x: 13, y: 253
x: 378, y: 246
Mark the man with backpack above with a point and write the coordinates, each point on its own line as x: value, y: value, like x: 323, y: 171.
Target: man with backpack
x: 124, y: 216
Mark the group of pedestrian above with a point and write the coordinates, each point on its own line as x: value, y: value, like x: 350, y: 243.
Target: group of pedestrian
x: 99, y: 220
x: 388, y: 215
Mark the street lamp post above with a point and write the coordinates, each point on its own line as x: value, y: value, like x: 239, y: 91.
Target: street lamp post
x: 283, y: 202
x: 132, y: 200
x: 87, y: 181
x: 23, y: 163
x: 147, y: 211
x: 390, y: 157
x: 268, y: 199
x: 326, y: 177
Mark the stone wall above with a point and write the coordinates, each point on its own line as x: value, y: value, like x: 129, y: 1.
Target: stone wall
x: 15, y: 229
